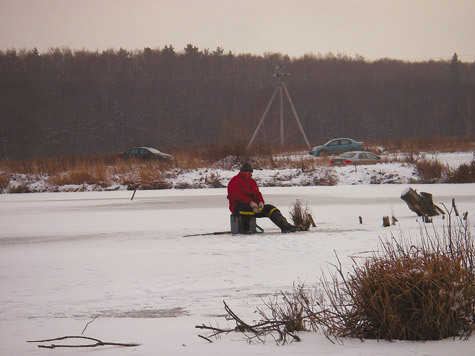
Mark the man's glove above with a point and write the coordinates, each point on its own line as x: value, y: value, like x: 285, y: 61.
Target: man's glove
x: 254, y: 207
x: 261, y: 205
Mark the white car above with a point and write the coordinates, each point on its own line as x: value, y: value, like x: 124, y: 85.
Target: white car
x: 355, y: 157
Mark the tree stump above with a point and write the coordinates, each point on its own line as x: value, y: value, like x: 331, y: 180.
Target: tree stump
x: 420, y: 203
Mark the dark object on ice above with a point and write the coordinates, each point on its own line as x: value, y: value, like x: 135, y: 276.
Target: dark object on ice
x: 420, y: 203
x: 244, y: 224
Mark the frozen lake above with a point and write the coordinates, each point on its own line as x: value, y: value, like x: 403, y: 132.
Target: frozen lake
x: 66, y: 258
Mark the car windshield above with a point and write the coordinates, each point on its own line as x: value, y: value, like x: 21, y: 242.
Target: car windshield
x: 153, y: 150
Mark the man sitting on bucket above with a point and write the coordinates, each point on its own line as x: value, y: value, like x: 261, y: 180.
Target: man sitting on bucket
x: 244, y: 196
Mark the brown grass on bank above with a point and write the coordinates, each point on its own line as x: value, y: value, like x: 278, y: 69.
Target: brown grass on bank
x: 55, y: 165
x: 424, y: 144
x: 430, y: 171
x: 101, y: 169
x: 465, y: 173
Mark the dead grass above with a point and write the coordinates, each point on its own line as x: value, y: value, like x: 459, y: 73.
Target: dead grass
x: 424, y: 144
x: 107, y: 169
x: 465, y: 173
x: 430, y: 171
x: 4, y: 180
x: 301, y: 215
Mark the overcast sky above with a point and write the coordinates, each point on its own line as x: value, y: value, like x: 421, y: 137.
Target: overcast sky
x: 400, y: 29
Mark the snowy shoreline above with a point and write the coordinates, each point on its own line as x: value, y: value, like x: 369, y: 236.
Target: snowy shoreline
x: 205, y: 178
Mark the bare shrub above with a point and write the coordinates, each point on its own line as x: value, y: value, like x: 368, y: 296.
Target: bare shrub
x: 183, y: 185
x: 22, y: 188
x: 430, y: 171
x: 326, y: 178
x: 463, y: 174
x: 301, y: 215
x: 408, y: 291
x: 281, y: 318
x: 155, y: 185
x: 213, y: 180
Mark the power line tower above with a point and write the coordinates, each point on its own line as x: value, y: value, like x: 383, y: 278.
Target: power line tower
x: 280, y: 74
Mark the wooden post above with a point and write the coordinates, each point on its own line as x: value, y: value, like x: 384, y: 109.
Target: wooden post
x: 386, y: 221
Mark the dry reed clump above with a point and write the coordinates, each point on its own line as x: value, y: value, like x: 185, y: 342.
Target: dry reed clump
x: 301, y: 215
x: 430, y: 171
x: 82, y: 174
x: 214, y: 180
x: 408, y: 291
x: 144, y: 176
x: 465, y: 173
x: 72, y: 178
x: 22, y: 188
x: 325, y: 177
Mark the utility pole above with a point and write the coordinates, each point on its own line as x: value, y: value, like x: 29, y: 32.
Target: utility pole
x: 280, y: 74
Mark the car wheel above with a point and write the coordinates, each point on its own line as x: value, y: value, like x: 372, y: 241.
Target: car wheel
x: 322, y: 154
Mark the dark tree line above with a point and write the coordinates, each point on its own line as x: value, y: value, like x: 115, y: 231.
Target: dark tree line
x: 80, y: 102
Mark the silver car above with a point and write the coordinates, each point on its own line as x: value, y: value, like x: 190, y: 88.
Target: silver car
x: 355, y: 157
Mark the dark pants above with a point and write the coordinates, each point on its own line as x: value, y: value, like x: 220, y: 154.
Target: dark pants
x: 247, y: 210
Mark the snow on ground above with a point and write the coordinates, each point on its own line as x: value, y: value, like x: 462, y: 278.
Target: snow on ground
x: 66, y: 258
x: 221, y: 173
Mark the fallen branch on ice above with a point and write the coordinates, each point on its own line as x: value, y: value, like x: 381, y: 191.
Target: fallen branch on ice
x: 97, y: 342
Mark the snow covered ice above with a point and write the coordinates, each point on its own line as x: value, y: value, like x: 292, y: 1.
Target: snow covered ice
x: 66, y: 258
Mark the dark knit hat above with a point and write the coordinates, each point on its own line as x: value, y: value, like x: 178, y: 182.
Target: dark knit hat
x: 246, y: 167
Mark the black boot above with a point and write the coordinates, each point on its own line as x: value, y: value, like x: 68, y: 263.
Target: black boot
x: 277, y: 218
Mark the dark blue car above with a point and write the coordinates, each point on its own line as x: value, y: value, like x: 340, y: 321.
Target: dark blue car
x: 336, y: 147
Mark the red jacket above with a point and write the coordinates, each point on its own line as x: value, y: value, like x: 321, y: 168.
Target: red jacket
x: 243, y: 189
